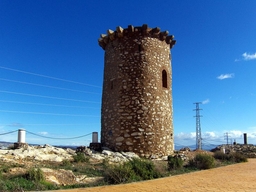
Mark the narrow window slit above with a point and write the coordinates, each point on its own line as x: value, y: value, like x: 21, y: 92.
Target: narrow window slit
x: 164, y: 79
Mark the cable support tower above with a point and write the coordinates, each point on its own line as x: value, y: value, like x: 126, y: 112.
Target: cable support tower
x: 226, y: 136
x: 198, y: 126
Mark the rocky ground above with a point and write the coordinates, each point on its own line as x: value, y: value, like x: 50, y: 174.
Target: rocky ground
x: 47, y: 158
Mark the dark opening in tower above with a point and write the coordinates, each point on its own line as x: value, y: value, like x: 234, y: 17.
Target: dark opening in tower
x: 164, y: 79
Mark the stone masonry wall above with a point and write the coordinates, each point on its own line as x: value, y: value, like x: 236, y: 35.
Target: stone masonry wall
x: 137, y: 91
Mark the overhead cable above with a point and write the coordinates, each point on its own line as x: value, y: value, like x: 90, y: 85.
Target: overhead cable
x: 49, y: 97
x: 8, y: 132
x: 46, y: 104
x: 49, y: 77
x: 47, y: 86
x: 41, y: 113
x: 64, y: 138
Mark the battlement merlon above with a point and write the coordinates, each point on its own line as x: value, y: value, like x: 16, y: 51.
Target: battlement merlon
x: 131, y: 30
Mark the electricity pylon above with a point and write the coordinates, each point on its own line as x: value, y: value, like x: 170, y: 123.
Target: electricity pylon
x: 198, y: 127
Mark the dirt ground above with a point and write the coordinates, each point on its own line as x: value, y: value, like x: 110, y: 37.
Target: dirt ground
x: 236, y: 177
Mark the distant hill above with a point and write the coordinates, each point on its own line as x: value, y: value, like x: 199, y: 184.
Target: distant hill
x: 193, y: 147
x: 4, y: 145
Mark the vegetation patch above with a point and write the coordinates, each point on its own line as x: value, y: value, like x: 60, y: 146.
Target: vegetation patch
x: 81, y: 157
x: 32, y: 178
x: 233, y: 157
x: 202, y: 161
x: 133, y: 170
x: 35, y: 174
x: 175, y: 162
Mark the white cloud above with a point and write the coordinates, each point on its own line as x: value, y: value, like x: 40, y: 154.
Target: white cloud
x: 226, y: 76
x: 186, y: 136
x: 235, y: 134
x: 248, y: 56
x: 206, y: 101
x: 43, y: 133
x: 209, y: 134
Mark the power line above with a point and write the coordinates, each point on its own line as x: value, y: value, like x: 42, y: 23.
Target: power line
x: 41, y: 113
x: 45, y: 104
x: 47, y: 86
x: 61, y: 138
x: 8, y: 132
x: 48, y: 97
x: 74, y: 124
x: 49, y: 77
x: 64, y: 138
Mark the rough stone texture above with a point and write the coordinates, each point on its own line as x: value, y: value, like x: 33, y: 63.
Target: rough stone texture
x: 137, y: 91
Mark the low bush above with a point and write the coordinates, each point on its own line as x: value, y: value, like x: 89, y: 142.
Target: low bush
x: 174, y: 162
x: 22, y: 184
x: 145, y: 169
x: 221, y: 156
x: 237, y: 157
x: 231, y: 157
x: 35, y: 174
x: 134, y: 170
x: 116, y: 174
x: 66, y: 163
x: 202, y: 161
x: 80, y: 157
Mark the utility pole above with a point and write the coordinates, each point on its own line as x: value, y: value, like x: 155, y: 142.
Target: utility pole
x: 226, y: 137
x: 198, y: 127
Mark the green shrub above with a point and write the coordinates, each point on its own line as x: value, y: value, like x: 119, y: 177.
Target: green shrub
x: 116, y: 174
x: 3, y: 186
x: 174, y: 162
x: 221, y: 156
x: 203, y: 161
x: 80, y: 157
x: 237, y: 157
x: 35, y: 174
x: 66, y: 163
x: 145, y: 169
x: 231, y: 157
x: 134, y: 170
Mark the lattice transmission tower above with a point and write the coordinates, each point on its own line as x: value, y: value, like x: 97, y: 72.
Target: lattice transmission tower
x: 198, y: 126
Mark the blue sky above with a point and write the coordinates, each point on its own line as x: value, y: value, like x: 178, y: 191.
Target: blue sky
x: 51, y: 65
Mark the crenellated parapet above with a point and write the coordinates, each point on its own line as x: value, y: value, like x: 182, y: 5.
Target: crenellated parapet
x: 144, y: 30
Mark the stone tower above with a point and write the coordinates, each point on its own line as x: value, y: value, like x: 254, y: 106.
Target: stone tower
x: 136, y: 113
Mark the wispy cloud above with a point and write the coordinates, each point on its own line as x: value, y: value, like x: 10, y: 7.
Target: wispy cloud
x: 43, y: 133
x: 19, y: 125
x: 248, y: 56
x: 226, y: 76
x: 206, y: 101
